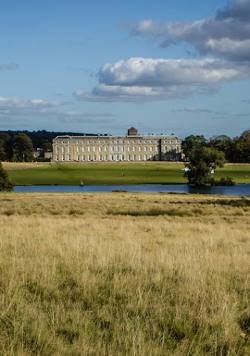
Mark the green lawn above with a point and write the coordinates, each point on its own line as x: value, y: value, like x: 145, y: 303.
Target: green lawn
x: 113, y: 173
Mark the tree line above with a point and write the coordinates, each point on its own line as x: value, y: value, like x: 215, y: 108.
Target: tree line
x: 19, y: 146
x: 204, y: 156
x: 236, y: 150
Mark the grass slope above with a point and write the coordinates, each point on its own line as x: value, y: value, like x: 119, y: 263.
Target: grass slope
x: 124, y: 274
x: 111, y: 173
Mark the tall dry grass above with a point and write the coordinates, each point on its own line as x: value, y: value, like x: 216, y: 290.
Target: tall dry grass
x: 124, y: 274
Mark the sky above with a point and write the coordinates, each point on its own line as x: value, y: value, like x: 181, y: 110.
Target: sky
x: 163, y: 66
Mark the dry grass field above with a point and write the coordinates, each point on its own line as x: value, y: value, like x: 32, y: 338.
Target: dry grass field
x: 124, y: 274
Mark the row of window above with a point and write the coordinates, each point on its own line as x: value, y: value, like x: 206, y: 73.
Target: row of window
x: 119, y: 142
x: 106, y: 149
x: 115, y: 157
x: 113, y: 149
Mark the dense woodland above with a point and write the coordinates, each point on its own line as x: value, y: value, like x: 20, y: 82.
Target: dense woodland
x: 236, y: 150
x: 20, y: 145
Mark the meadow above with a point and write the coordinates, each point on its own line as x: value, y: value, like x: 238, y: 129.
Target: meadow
x: 124, y: 274
x: 112, y: 173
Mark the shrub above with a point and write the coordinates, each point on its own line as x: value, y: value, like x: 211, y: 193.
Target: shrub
x: 5, y: 183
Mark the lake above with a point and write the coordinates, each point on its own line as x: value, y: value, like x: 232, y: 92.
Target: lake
x: 237, y: 190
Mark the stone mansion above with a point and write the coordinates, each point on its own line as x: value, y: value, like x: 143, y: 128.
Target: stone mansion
x: 132, y: 147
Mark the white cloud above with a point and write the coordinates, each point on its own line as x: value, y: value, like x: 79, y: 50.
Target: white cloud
x: 224, y: 41
x: 143, y: 79
x: 15, y: 109
x: 13, y: 104
x: 226, y: 35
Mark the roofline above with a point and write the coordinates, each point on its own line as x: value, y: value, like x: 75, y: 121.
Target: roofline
x: 110, y: 136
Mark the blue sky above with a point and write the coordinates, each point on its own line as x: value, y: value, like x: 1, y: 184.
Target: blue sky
x: 102, y: 66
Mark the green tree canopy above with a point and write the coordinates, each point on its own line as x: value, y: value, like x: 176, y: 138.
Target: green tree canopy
x: 22, y: 148
x: 5, y: 147
x: 191, y: 142
x: 202, y: 164
x: 5, y: 183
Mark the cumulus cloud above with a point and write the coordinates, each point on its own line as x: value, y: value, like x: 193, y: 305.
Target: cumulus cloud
x: 138, y: 79
x: 237, y: 9
x: 222, y: 40
x: 226, y: 35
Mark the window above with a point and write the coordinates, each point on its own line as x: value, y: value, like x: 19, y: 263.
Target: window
x: 145, y: 149
x: 139, y: 149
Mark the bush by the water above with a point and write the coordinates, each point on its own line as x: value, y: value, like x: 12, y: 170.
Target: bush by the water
x: 5, y: 183
x: 226, y: 181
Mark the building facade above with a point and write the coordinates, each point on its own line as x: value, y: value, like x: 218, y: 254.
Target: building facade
x: 132, y: 147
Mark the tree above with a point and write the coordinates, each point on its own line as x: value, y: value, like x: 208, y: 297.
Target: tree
x: 5, y: 147
x: 5, y: 183
x: 202, y: 164
x: 243, y: 147
x: 191, y: 142
x: 222, y: 143
x: 23, y: 148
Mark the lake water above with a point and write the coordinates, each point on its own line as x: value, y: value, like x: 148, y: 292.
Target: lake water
x: 237, y: 190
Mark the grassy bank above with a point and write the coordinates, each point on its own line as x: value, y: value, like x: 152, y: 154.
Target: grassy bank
x: 124, y: 274
x: 112, y: 173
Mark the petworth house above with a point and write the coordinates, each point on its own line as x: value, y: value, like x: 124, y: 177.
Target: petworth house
x: 132, y: 147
